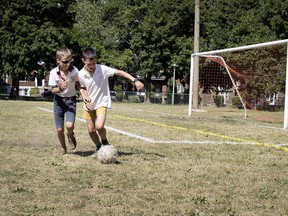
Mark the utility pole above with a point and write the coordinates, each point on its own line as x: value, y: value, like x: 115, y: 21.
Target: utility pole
x: 195, y: 95
x: 173, y: 90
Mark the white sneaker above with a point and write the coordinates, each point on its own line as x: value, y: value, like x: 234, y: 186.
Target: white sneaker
x: 95, y: 154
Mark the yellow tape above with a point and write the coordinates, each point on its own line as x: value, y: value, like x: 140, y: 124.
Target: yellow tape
x: 205, y: 133
x: 244, y: 140
x: 151, y: 122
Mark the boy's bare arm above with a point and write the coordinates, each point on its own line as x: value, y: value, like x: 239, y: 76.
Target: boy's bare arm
x: 139, y: 85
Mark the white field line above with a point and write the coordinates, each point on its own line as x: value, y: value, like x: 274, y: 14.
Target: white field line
x: 149, y: 140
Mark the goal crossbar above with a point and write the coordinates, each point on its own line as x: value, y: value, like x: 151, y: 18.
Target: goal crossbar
x: 234, y: 50
x: 242, y: 48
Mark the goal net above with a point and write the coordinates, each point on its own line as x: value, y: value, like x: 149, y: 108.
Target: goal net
x: 252, y: 78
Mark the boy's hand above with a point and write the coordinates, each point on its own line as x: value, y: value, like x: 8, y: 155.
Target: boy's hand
x: 62, y: 85
x: 87, y: 102
x: 139, y: 85
x: 88, y: 106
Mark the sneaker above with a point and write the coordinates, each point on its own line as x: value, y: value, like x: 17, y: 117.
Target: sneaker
x: 96, y: 151
x: 95, y: 154
x: 72, y: 141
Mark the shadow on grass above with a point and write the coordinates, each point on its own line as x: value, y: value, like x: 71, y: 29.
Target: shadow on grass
x: 125, y: 153
x: 83, y: 153
x: 89, y: 153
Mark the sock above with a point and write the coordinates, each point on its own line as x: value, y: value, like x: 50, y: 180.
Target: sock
x: 105, y: 142
x: 98, y: 147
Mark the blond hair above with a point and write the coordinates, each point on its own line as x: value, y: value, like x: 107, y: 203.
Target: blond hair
x: 63, y: 52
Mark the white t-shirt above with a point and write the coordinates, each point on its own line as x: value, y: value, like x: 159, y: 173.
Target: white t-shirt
x: 97, y: 85
x: 55, y: 76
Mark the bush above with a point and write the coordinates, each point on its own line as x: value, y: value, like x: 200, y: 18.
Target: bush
x: 236, y: 102
x: 119, y: 96
x: 219, y: 100
x: 133, y: 99
x: 118, y: 88
x: 153, y: 98
x: 34, y: 91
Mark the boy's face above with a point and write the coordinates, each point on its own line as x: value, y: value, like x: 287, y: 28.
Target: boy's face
x: 64, y: 62
x: 90, y: 64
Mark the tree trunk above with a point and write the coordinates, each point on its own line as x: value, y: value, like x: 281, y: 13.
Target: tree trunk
x: 14, y: 88
x: 147, y: 87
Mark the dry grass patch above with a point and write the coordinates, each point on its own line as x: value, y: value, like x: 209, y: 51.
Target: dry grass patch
x: 152, y: 178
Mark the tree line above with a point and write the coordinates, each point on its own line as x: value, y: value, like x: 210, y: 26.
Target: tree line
x: 143, y: 37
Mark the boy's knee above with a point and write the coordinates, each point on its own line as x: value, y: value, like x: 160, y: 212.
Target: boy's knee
x: 91, y: 131
x: 100, y: 128
x: 69, y: 125
x: 60, y: 130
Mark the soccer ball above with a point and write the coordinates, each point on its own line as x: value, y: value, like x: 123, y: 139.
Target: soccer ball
x: 107, y: 154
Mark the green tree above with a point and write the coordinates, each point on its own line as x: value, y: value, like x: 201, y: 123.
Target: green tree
x: 142, y: 37
x: 234, y: 23
x: 32, y: 30
x: 226, y: 24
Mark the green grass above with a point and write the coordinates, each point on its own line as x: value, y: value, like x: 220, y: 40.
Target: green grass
x: 212, y: 163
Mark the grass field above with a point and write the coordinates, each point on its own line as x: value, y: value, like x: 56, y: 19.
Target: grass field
x: 212, y: 163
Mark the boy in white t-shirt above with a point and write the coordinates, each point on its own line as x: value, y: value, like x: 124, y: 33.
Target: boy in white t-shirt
x: 63, y: 80
x: 94, y: 88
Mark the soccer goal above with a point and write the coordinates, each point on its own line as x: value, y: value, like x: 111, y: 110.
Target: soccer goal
x: 252, y: 78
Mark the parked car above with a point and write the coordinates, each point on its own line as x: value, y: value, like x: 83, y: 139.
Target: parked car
x: 113, y: 95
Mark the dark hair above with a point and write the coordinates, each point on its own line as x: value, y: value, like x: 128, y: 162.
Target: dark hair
x: 89, y: 53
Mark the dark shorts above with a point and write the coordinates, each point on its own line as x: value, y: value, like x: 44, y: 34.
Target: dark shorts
x: 64, y: 107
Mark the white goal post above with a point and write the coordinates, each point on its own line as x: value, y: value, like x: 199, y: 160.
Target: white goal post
x: 240, y: 49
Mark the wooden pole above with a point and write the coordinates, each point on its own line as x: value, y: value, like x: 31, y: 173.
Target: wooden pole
x: 195, y: 98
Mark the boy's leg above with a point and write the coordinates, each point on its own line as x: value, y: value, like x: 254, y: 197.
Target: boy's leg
x: 92, y: 132
x: 90, y: 117
x: 70, y: 120
x: 93, y: 135
x: 59, y: 123
x: 100, y: 124
x: 61, y: 138
x: 70, y: 135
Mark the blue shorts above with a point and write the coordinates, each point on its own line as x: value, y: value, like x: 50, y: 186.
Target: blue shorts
x: 64, y: 107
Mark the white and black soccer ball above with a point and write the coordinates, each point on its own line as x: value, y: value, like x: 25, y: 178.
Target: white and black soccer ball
x: 107, y: 154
